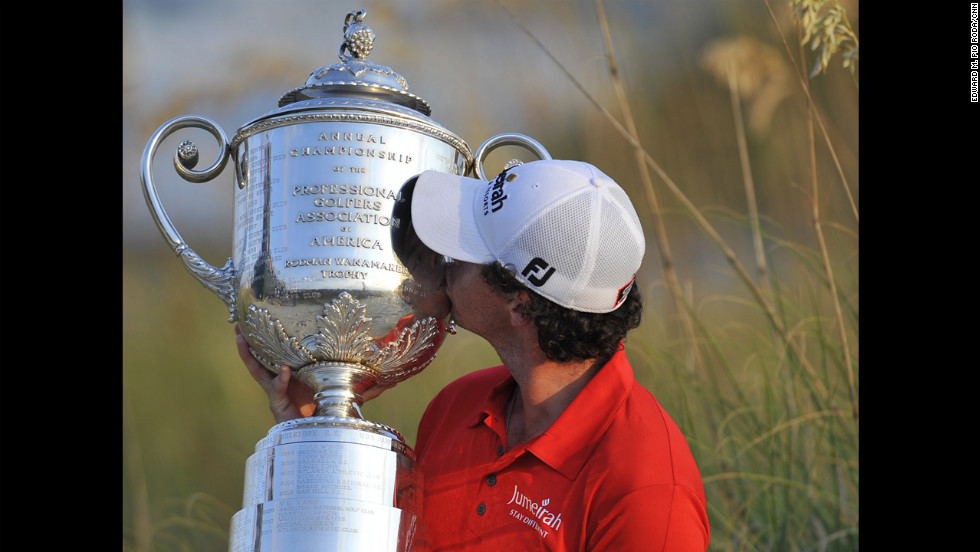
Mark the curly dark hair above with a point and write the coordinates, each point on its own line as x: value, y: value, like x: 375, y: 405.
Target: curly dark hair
x: 565, y: 334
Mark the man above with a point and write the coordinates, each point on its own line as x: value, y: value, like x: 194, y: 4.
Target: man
x: 559, y: 448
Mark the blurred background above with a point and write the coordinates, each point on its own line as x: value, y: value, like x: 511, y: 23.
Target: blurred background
x: 732, y: 124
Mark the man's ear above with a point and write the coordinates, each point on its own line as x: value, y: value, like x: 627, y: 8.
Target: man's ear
x: 518, y: 310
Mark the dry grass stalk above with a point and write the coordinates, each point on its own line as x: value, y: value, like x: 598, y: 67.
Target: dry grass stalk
x: 743, y: 154
x: 666, y: 258
x: 758, y: 247
x: 828, y: 267
x: 816, y: 114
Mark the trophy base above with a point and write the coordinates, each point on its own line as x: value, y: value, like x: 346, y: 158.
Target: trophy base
x: 329, y: 483
x: 320, y: 524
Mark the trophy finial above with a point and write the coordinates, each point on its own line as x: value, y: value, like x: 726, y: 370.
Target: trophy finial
x: 358, y: 37
x: 355, y: 76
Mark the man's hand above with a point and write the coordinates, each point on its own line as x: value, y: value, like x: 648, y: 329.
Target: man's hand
x: 288, y: 399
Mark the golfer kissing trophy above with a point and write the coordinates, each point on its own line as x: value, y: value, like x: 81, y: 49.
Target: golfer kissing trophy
x: 316, y: 282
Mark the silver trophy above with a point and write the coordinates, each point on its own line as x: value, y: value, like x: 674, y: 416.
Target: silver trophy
x: 316, y: 282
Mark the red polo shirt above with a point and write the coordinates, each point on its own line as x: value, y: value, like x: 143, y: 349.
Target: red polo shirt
x: 613, y: 472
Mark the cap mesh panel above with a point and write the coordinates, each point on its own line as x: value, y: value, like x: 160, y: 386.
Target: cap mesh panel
x: 560, y: 237
x: 620, y: 250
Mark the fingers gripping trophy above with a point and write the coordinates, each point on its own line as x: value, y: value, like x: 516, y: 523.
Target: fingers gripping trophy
x: 327, y: 276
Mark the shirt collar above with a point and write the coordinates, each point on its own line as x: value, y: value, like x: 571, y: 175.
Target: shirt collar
x: 568, y: 443
x: 495, y: 400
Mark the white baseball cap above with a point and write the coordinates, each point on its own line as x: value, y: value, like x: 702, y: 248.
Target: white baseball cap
x: 568, y: 230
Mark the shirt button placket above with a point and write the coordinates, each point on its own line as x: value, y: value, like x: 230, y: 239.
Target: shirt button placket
x: 491, y: 481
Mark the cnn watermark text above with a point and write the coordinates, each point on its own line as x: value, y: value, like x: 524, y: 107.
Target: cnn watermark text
x: 974, y: 52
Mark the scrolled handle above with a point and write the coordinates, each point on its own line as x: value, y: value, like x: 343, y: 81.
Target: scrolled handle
x: 507, y: 139
x: 218, y: 280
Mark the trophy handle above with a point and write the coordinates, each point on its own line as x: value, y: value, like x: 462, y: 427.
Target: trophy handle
x: 506, y: 140
x: 218, y: 280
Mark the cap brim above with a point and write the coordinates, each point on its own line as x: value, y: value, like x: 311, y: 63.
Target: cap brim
x: 444, y: 217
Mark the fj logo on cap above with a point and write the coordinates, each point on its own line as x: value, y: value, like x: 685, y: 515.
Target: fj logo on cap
x: 533, y: 271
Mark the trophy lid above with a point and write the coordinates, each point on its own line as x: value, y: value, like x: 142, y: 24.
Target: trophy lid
x: 355, y: 76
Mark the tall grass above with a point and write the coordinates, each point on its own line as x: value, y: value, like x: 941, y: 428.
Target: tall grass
x: 753, y: 351
x: 772, y: 413
x: 775, y: 426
